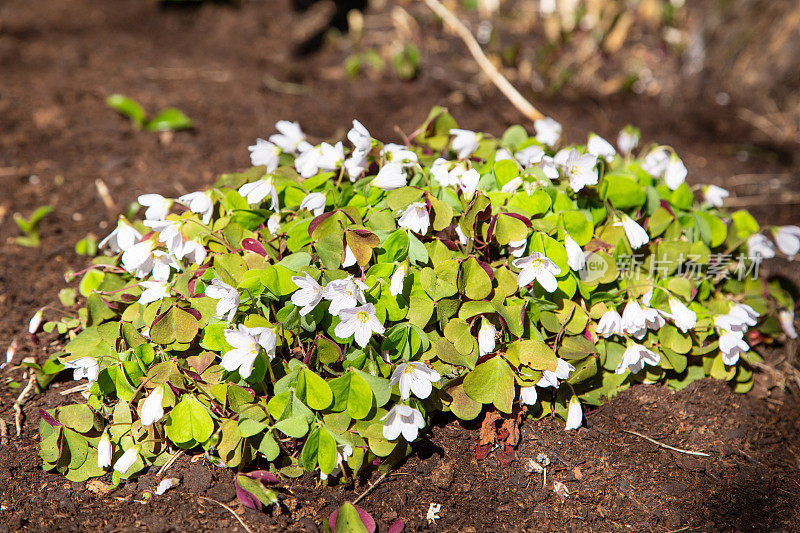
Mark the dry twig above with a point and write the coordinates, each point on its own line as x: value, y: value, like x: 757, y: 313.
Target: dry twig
x: 105, y: 195
x: 3, y: 432
x: 169, y: 463
x: 20, y: 402
x: 667, y: 446
x: 369, y: 489
x: 231, y: 511
x: 519, y: 101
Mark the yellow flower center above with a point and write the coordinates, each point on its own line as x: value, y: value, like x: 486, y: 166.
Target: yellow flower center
x: 537, y: 262
x: 409, y: 369
x: 362, y: 317
x: 573, y: 169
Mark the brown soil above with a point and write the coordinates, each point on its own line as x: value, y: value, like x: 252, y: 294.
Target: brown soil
x: 59, y: 59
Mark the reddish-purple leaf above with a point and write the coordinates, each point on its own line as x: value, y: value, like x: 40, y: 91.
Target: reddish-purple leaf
x: 247, y: 498
x: 398, y: 526
x: 263, y: 476
x: 488, y: 269
x: 319, y: 220
x: 523, y: 218
x: 490, y: 231
x: 254, y: 246
x: 367, y: 520
x: 194, y: 312
x: 47, y: 417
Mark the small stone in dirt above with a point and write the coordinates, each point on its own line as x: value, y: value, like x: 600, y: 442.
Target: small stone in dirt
x: 223, y: 492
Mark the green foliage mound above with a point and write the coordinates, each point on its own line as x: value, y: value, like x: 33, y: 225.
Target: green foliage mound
x: 316, y: 310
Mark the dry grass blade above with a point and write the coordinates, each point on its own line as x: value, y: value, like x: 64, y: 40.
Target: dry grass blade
x: 371, y: 487
x: 20, y: 402
x: 519, y: 101
x: 169, y: 463
x: 230, y: 510
x: 3, y: 432
x: 667, y: 446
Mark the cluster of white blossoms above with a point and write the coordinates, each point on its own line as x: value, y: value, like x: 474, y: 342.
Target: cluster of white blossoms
x: 158, y: 255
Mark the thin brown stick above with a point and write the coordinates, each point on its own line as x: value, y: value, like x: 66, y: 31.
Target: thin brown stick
x: 370, y: 488
x: 231, y: 511
x: 20, y: 402
x: 500, y: 81
x: 169, y: 463
x: 3, y: 432
x: 667, y: 446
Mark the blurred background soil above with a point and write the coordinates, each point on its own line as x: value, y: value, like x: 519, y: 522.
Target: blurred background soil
x: 716, y: 80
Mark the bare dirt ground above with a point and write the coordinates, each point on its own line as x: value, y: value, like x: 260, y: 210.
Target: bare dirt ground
x: 60, y: 59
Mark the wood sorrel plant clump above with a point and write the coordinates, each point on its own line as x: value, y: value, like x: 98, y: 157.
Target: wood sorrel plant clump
x: 317, y: 309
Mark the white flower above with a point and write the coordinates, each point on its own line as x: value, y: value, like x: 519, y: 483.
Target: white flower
x: 166, y: 484
x: 104, y: 451
x: 416, y: 218
x: 123, y: 237
x: 35, y: 322
x: 635, y: 357
x: 486, y: 342
x: 560, y: 159
x: 580, y: 170
x: 414, y: 377
x: 390, y: 176
x: 655, y: 163
x: 309, y: 295
x: 398, y: 153
x: 654, y: 318
x: 574, y: 414
x: 627, y: 140
x: 469, y: 182
x: 157, y: 206
x: 575, y: 256
x: 551, y: 378
x: 307, y: 163
x: 547, y: 131
x: 314, y: 202
x: 502, y: 154
x: 714, y: 195
x: 264, y: 153
x: 537, y: 267
x: 528, y: 395
x: 162, y: 263
x: 255, y: 191
x: 152, y: 407
x: 610, y: 324
x: 228, y: 298
x: 274, y: 224
x: 634, y: 320
x: 732, y: 345
x: 154, y: 291
x: 788, y: 240
x: 433, y: 512
x: 125, y: 462
x: 530, y: 156
x: 786, y: 320
x: 683, y: 317
x: 356, y: 164
x: 291, y: 138
x: 443, y: 176
x: 331, y: 157
x: 675, y: 173
x: 637, y: 236
x: 169, y: 233
x: 84, y: 367
x: 360, y: 137
x: 138, y: 259
x: 246, y: 342
x: 200, y: 203
x: 193, y: 251
x: 402, y: 419
x: 759, y: 246
x: 512, y: 185
x: 743, y: 315
x: 465, y: 142
x: 349, y: 258
x: 343, y: 294
x: 397, y: 280
x: 515, y: 248
x: 599, y: 147
x: 359, y: 323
